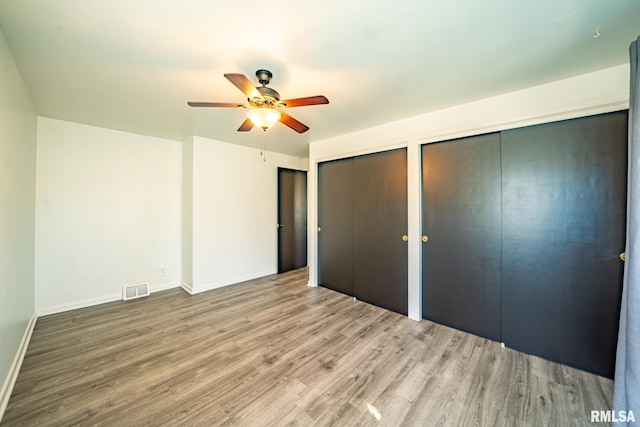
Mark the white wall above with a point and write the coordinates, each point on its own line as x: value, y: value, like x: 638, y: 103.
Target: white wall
x: 593, y: 93
x: 603, y: 91
x: 108, y: 210
x: 234, y: 212
x: 17, y: 197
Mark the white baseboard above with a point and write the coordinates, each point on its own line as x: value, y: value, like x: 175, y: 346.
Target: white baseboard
x: 164, y: 286
x: 228, y: 282
x: 187, y: 287
x: 45, y: 311
x: 12, y: 376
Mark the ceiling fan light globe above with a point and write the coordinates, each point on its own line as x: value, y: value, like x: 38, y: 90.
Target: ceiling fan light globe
x: 263, y: 117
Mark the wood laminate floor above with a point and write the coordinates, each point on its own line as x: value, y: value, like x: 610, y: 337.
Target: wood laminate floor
x: 275, y: 352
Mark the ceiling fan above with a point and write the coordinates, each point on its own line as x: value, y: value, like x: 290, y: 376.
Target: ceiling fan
x: 265, y: 106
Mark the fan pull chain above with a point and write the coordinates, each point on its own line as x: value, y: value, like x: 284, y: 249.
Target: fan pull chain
x: 263, y: 148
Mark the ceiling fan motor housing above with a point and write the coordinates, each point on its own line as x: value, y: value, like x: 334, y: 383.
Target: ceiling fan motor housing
x: 270, y: 97
x: 264, y: 76
x: 268, y: 93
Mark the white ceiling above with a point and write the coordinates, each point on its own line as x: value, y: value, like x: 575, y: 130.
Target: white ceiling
x: 132, y: 65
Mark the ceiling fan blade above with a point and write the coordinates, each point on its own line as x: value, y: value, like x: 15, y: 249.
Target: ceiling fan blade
x: 246, y: 126
x: 214, y: 104
x: 309, y: 100
x: 244, y: 84
x: 293, y: 123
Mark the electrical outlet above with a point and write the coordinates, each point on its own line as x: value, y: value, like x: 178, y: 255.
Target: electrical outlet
x: 162, y: 272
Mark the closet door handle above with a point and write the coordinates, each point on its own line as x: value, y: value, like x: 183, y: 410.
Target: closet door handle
x: 405, y: 237
x: 425, y: 239
x: 623, y: 256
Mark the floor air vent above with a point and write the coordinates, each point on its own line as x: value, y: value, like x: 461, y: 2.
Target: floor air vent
x: 135, y: 291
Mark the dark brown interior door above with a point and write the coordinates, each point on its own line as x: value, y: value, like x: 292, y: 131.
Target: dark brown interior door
x: 379, y: 222
x: 292, y: 219
x: 564, y: 203
x: 335, y: 221
x: 461, y: 214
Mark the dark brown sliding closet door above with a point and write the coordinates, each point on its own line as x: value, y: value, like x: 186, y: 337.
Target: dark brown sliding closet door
x: 335, y: 220
x: 462, y: 218
x: 379, y: 222
x: 564, y: 203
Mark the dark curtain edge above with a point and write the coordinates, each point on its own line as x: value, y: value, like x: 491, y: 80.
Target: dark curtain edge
x: 626, y: 394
